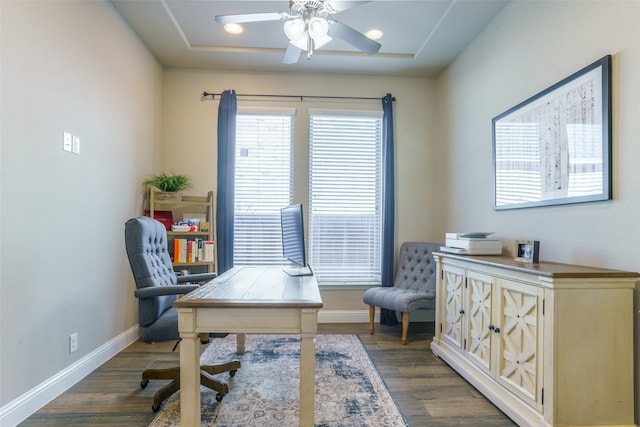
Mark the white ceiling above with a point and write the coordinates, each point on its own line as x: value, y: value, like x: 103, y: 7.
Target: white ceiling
x: 420, y: 37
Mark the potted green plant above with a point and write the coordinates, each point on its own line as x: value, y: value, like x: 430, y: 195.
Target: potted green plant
x: 169, y: 184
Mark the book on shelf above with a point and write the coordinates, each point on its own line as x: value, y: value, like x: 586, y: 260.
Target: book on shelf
x: 165, y: 217
x: 180, y: 250
x: 190, y: 251
x: 208, y: 246
x: 200, y: 250
x: 196, y: 250
x: 184, y: 228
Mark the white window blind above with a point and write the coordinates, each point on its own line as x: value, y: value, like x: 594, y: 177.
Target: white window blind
x: 346, y: 196
x: 262, y: 186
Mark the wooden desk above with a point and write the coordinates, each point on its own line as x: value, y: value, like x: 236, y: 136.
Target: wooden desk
x: 248, y: 300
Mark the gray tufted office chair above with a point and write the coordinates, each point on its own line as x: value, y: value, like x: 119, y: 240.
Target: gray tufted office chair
x: 157, y: 287
x: 414, y: 285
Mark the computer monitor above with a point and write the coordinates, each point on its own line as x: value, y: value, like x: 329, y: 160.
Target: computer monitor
x: 293, y: 246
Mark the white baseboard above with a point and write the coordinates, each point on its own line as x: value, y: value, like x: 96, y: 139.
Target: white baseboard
x: 24, y: 406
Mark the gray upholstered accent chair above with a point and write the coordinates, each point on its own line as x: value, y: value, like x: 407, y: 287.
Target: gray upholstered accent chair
x: 414, y: 285
x: 158, y: 287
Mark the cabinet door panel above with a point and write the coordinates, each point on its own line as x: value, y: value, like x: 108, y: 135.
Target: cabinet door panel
x: 520, y: 323
x: 479, y: 295
x: 453, y: 286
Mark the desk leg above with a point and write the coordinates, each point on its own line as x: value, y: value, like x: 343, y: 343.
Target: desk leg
x: 240, y: 339
x: 189, y: 370
x: 308, y: 367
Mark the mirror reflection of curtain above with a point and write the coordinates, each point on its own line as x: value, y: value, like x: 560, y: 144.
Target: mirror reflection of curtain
x: 388, y: 317
x: 226, y: 176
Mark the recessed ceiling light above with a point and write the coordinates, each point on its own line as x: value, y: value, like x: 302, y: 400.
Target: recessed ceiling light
x: 233, y: 28
x: 374, y: 34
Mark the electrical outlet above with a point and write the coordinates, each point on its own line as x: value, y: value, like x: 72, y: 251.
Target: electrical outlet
x: 73, y: 342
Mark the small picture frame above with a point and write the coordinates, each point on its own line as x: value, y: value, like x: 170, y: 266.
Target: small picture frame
x: 527, y: 251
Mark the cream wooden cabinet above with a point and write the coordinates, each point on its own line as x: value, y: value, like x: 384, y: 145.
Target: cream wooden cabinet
x: 550, y: 344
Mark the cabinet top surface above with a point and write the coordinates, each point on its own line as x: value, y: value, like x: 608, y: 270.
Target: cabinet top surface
x: 544, y: 268
x: 255, y: 287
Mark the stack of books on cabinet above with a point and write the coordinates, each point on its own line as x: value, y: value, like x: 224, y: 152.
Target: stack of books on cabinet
x: 190, y: 227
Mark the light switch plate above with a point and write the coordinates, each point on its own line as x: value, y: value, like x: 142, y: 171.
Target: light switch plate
x: 75, y: 149
x: 66, y: 141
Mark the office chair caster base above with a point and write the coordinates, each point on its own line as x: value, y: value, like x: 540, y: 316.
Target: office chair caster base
x: 233, y: 373
x: 219, y: 397
x: 144, y: 383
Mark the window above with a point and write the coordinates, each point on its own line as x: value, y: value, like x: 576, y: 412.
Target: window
x: 263, y: 185
x: 346, y: 196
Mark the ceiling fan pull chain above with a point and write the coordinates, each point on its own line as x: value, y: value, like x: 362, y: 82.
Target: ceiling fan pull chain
x: 309, y: 48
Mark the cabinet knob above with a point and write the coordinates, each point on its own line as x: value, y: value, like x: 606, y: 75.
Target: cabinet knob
x: 496, y: 330
x: 491, y: 327
x: 461, y: 311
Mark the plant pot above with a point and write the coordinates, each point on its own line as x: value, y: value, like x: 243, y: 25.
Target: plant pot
x: 162, y: 195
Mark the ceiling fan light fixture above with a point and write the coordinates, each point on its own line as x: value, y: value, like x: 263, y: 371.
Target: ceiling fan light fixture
x: 295, y: 29
x: 301, y: 42
x: 307, y: 27
x: 318, y: 28
x: 318, y: 43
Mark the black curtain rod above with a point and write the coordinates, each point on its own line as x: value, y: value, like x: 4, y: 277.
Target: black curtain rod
x: 299, y: 97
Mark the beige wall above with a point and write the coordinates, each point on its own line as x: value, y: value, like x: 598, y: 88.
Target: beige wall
x: 527, y: 48
x: 69, y: 66
x: 190, y: 139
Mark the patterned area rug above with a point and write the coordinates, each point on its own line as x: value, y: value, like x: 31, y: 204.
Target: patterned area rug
x: 265, y: 391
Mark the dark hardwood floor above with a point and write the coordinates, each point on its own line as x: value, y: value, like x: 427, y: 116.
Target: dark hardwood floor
x: 428, y: 392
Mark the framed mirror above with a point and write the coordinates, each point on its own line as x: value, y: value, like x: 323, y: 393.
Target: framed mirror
x: 555, y: 147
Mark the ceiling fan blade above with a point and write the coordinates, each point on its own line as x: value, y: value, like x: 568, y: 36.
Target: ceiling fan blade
x: 252, y: 17
x: 354, y: 38
x: 339, y: 6
x: 292, y: 54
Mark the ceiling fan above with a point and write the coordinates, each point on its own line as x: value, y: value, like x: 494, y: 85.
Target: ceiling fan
x: 307, y: 27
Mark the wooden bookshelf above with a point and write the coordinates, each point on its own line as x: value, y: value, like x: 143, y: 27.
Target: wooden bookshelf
x: 202, y: 207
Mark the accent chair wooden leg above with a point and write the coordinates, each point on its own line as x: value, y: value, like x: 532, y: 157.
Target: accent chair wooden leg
x: 405, y: 327
x: 372, y: 315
